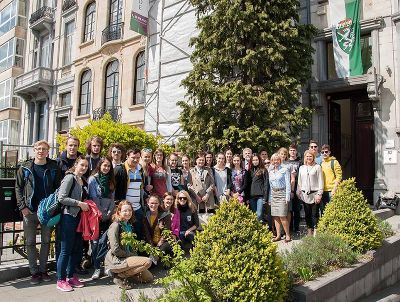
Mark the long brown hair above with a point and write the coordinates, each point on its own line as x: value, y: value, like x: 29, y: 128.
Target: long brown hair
x: 117, y: 216
x: 79, y: 158
x: 110, y: 173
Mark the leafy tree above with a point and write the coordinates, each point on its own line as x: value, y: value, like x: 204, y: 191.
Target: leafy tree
x: 250, y: 61
x: 113, y: 132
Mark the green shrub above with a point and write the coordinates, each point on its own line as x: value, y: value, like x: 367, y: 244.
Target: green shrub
x: 349, y: 217
x: 385, y: 228
x: 113, y: 132
x: 315, y: 256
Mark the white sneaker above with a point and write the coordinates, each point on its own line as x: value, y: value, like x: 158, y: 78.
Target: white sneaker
x: 96, y: 274
x: 108, y: 273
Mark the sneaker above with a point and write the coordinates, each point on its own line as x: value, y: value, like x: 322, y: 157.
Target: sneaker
x: 64, y: 286
x: 74, y: 282
x: 36, y: 278
x: 108, y: 273
x: 96, y: 274
x: 46, y: 277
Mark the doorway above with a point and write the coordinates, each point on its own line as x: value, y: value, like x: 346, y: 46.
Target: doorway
x: 351, y: 137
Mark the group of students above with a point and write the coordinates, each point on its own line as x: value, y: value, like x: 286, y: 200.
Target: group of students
x: 144, y: 192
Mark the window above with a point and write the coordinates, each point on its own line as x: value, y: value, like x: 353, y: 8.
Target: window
x: 69, y: 32
x: 366, y: 56
x: 45, y: 52
x: 19, y: 53
x: 4, y: 131
x: 8, y: 17
x: 112, y: 84
x: 6, y: 54
x: 115, y: 12
x: 5, y: 94
x: 139, y: 96
x: 41, y: 121
x: 90, y: 22
x: 62, y: 124
x: 65, y: 99
x: 85, y: 96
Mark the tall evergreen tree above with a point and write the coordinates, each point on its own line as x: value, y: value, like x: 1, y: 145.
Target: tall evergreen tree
x: 250, y: 61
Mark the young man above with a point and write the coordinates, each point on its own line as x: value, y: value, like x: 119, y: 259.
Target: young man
x: 294, y: 162
x: 134, y: 192
x: 68, y: 157
x: 332, y: 172
x: 117, y: 153
x: 36, y: 179
x: 93, y: 150
x: 313, y: 147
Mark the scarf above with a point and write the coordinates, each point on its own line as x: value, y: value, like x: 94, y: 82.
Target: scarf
x: 127, y: 227
x: 104, y: 181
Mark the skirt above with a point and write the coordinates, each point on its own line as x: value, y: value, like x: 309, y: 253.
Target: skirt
x: 279, y: 207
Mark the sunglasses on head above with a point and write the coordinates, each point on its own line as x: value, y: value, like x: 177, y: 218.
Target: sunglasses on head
x: 147, y: 150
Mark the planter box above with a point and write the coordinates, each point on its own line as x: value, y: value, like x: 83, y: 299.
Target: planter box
x: 358, y: 281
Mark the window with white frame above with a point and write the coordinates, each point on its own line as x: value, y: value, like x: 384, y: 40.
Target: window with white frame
x: 90, y: 20
x: 5, y: 94
x: 6, y: 54
x: 85, y: 98
x: 8, y: 17
x: 4, y: 131
x: 69, y: 34
x: 65, y: 99
x: 62, y: 124
x: 112, y: 85
x: 139, y: 79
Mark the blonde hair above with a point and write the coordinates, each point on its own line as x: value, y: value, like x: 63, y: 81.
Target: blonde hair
x: 275, y: 156
x: 306, y: 153
x: 41, y: 142
x: 117, y: 217
x: 189, y: 200
x: 283, y: 149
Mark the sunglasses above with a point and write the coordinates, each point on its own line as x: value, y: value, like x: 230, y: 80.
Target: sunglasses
x: 325, y: 152
x: 148, y: 150
x: 116, y: 151
x: 314, y: 147
x: 182, y: 198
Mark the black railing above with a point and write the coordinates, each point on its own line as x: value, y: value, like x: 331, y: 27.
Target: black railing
x: 43, y: 12
x: 112, y: 32
x: 67, y: 4
x: 115, y: 113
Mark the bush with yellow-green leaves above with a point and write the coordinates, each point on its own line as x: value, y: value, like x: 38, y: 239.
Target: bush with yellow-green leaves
x: 348, y: 216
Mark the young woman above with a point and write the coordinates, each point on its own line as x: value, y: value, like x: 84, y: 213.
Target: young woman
x: 229, y: 158
x: 123, y: 260
x: 259, y: 186
x: 279, y: 197
x: 155, y: 221
x: 240, y: 178
x: 209, y: 160
x: 145, y: 163
x: 177, y: 181
x: 168, y: 203
x: 310, y: 187
x: 101, y: 191
x: 185, y: 169
x: 71, y: 194
x: 117, y: 152
x: 222, y: 179
x: 185, y: 221
x: 160, y: 178
x: 201, y: 185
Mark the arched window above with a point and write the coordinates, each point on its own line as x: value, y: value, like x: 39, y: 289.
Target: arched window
x: 112, y: 84
x: 85, y: 98
x: 90, y: 20
x: 115, y: 12
x: 138, y: 94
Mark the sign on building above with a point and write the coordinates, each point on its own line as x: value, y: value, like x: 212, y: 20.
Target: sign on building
x: 139, y: 16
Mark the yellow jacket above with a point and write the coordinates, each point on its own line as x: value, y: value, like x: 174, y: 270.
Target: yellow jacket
x: 331, y: 177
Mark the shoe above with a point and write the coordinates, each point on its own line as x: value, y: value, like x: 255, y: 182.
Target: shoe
x: 96, y: 274
x: 276, y: 239
x: 86, y: 264
x: 74, y: 282
x: 108, y: 273
x: 45, y: 277
x: 81, y: 271
x: 36, y: 278
x: 122, y: 283
x: 64, y: 286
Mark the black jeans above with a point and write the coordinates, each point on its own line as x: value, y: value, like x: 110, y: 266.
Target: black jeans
x: 312, y: 215
x: 296, y: 207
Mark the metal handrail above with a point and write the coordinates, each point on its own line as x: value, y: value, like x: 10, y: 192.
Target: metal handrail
x: 112, y: 32
x: 42, y: 12
x: 114, y: 111
x: 67, y: 4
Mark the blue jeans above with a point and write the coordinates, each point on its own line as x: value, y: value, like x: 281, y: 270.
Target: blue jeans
x: 256, y: 205
x: 70, y: 247
x: 139, y: 216
x: 103, y: 227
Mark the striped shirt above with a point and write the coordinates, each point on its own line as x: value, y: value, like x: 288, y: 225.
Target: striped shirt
x: 134, y: 187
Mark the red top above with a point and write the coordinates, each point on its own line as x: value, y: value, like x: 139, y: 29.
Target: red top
x: 159, y: 181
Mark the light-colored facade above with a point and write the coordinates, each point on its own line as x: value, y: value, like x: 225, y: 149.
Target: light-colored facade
x: 360, y: 116
x: 12, y: 42
x: 82, y: 60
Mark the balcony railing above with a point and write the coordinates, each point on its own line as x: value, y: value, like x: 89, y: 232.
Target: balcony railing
x: 67, y: 4
x: 44, y: 12
x: 33, y: 80
x: 112, y: 32
x: 115, y: 113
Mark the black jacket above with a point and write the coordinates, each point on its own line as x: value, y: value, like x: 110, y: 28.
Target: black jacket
x: 65, y: 163
x: 259, y: 184
x: 121, y: 182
